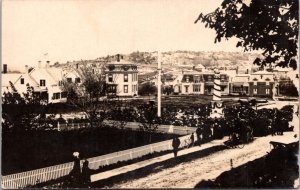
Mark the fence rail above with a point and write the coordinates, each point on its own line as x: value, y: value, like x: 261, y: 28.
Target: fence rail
x: 33, y: 177
x: 180, y: 130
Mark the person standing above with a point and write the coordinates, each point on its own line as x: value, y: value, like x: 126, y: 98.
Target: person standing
x: 192, y: 140
x: 175, y: 144
x: 199, y: 135
x: 86, y: 176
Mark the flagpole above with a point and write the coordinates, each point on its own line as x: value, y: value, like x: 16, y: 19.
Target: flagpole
x: 159, y: 84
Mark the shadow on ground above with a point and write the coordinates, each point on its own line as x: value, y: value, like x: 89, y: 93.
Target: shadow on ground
x: 156, y: 167
x: 278, y: 169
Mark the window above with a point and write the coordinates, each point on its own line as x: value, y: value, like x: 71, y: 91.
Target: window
x: 110, y: 78
x: 22, y: 80
x: 267, y: 91
x: 56, y: 96
x: 64, y: 94
x: 69, y: 80
x: 223, y: 78
x: 125, y: 77
x: 222, y: 88
x: 186, y: 88
x: 60, y: 83
x: 209, y: 78
x: 254, y: 91
x: 196, y: 88
x: 268, y: 83
x: 42, y: 82
x: 77, y: 80
x: 197, y: 79
x: 125, y: 88
x: 187, y: 78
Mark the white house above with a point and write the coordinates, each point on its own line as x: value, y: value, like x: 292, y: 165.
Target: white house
x: 122, y: 78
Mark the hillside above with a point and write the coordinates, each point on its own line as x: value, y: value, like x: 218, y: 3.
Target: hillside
x: 177, y: 60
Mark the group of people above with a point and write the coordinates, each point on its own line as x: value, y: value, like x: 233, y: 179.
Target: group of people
x: 80, y: 176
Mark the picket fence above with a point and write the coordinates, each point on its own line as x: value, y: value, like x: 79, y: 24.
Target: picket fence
x: 179, y: 130
x: 21, y: 180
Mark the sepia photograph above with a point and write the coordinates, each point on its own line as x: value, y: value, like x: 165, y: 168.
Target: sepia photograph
x: 123, y: 94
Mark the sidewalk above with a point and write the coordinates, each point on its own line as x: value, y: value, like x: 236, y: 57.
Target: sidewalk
x: 132, y: 167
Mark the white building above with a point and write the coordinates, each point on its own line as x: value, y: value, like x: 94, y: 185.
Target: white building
x: 44, y: 80
x: 122, y: 78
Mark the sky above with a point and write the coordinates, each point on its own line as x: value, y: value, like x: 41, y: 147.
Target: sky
x: 68, y: 30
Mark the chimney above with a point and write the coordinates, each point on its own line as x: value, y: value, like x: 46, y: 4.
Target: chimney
x: 26, y: 69
x: 118, y: 57
x: 47, y: 64
x: 4, y: 68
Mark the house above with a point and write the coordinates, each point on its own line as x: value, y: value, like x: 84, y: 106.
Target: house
x: 196, y: 82
x: 121, y: 78
x: 261, y: 83
x: 240, y: 84
x: 8, y: 79
x: 46, y: 80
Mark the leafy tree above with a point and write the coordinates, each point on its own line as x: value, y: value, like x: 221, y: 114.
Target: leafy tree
x: 270, y: 26
x: 148, y: 121
x: 147, y: 88
x: 89, y: 95
x: 288, y: 88
x: 168, y: 89
x: 22, y: 112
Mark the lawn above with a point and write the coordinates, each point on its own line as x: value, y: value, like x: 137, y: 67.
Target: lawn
x: 37, y: 149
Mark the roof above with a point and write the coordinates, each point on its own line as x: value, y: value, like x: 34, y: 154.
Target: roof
x: 241, y: 78
x: 55, y: 73
x: 199, y: 66
x: 13, y: 77
x: 121, y: 62
x: 262, y: 73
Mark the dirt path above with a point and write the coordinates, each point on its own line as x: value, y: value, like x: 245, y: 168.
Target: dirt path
x: 187, y: 175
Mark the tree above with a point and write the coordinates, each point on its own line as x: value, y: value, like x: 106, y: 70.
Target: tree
x: 147, y: 118
x: 168, y: 89
x: 147, y: 88
x: 270, y: 26
x: 22, y: 112
x: 89, y: 94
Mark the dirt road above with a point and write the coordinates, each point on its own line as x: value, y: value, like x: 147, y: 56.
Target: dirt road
x: 188, y: 174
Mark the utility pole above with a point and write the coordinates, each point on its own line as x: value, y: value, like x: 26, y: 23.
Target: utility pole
x: 159, y: 84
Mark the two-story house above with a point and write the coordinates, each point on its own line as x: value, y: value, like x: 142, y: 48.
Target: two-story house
x: 121, y: 78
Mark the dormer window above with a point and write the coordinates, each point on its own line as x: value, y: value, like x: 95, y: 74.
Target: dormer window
x: 261, y: 76
x: 22, y: 81
x: 187, y: 79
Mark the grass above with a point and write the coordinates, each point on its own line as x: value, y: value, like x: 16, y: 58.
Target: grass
x: 37, y: 149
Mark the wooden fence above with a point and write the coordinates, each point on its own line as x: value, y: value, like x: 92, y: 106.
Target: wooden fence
x: 33, y: 177
x: 179, y: 130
